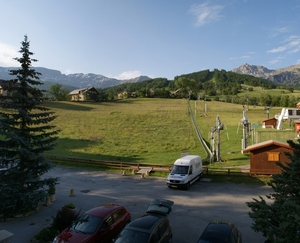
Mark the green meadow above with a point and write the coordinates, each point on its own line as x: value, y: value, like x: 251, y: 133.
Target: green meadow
x: 153, y: 130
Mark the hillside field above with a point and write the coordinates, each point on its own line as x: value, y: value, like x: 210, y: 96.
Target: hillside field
x: 152, y: 130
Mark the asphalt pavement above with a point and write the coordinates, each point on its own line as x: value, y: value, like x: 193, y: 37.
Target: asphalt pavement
x: 193, y: 209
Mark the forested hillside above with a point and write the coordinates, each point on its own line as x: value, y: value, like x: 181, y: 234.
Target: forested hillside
x: 208, y: 83
x: 218, y: 85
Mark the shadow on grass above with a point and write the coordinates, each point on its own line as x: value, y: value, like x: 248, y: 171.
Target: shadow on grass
x: 78, y: 106
x: 71, y: 147
x: 239, y: 179
x: 82, y: 105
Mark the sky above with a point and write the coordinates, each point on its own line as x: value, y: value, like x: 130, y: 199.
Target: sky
x: 157, y: 38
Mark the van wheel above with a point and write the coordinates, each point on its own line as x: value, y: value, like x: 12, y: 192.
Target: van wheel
x: 187, y: 186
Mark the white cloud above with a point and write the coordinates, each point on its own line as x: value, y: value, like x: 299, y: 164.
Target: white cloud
x: 206, y: 13
x: 68, y: 71
x: 7, y: 55
x: 241, y: 57
x: 276, y: 60
x: 278, y: 49
x: 128, y: 75
x: 292, y: 45
x: 278, y: 31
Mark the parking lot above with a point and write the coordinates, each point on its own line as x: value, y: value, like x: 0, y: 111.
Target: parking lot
x: 192, y: 209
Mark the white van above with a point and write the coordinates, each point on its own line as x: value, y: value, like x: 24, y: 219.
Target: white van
x: 185, y: 171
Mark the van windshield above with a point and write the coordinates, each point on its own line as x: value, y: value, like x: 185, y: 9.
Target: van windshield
x: 180, y: 169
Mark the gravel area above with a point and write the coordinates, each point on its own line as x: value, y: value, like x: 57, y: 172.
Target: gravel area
x: 192, y: 209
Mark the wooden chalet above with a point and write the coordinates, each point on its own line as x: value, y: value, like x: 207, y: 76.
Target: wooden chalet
x: 125, y: 94
x: 84, y: 94
x: 4, y: 86
x: 269, y: 123
x: 264, y: 155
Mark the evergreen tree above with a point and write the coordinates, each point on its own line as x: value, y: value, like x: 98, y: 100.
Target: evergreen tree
x: 58, y: 92
x: 278, y: 217
x: 25, y: 134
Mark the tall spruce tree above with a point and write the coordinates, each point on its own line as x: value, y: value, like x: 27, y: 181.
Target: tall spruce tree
x: 25, y: 134
x: 278, y: 217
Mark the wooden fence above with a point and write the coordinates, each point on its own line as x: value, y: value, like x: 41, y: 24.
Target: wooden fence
x: 136, y: 166
x: 108, y: 164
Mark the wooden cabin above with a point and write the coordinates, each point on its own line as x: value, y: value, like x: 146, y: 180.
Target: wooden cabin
x: 84, y: 94
x: 269, y: 123
x: 264, y: 155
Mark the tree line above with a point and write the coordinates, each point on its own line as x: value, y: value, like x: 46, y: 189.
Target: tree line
x: 218, y: 85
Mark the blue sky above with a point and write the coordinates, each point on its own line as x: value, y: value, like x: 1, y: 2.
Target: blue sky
x: 157, y: 38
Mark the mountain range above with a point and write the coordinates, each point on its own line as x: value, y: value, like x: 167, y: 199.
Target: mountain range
x: 289, y: 76
x: 73, y: 81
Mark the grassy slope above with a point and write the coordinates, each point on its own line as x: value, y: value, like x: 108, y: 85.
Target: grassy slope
x: 149, y: 130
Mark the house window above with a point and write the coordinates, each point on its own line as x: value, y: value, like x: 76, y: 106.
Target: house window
x: 273, y: 156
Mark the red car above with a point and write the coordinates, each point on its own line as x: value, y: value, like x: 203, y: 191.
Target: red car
x: 99, y: 224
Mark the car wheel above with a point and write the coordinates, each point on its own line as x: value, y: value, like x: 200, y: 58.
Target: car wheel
x: 187, y: 186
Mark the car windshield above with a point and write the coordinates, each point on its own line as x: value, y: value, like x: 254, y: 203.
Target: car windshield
x: 180, y: 169
x: 86, y: 224
x: 132, y: 236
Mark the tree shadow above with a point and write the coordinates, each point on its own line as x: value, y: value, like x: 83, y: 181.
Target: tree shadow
x: 78, y: 106
x: 69, y: 148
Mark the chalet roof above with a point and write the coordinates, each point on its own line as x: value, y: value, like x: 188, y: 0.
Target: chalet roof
x: 82, y: 90
x: 271, y: 119
x: 265, y: 144
x: 5, y: 84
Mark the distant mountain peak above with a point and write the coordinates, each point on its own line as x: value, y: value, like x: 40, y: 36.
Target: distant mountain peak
x: 288, y: 76
x: 78, y: 80
x: 254, y: 70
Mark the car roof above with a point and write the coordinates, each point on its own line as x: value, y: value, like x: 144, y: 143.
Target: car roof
x: 219, y: 230
x: 103, y: 210
x: 161, y: 206
x: 145, y: 223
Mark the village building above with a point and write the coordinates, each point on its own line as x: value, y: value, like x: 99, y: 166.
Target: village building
x: 4, y: 86
x: 84, y: 94
x: 264, y: 155
x: 269, y: 123
x: 125, y: 94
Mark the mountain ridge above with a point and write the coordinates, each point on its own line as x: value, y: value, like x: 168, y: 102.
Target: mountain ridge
x: 75, y: 80
x: 287, y: 76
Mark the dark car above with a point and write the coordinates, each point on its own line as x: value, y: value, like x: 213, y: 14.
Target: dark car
x: 152, y: 227
x: 99, y: 224
x: 220, y: 232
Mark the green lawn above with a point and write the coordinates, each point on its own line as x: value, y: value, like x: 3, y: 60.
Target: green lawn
x: 150, y: 130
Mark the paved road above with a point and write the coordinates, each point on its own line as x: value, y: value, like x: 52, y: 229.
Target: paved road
x: 192, y: 209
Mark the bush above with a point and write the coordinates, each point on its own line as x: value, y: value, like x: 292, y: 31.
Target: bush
x: 62, y: 220
x: 45, y: 235
x: 51, y: 190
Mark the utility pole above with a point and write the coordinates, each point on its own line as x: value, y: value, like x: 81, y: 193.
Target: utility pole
x: 245, y: 124
x: 219, y: 126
